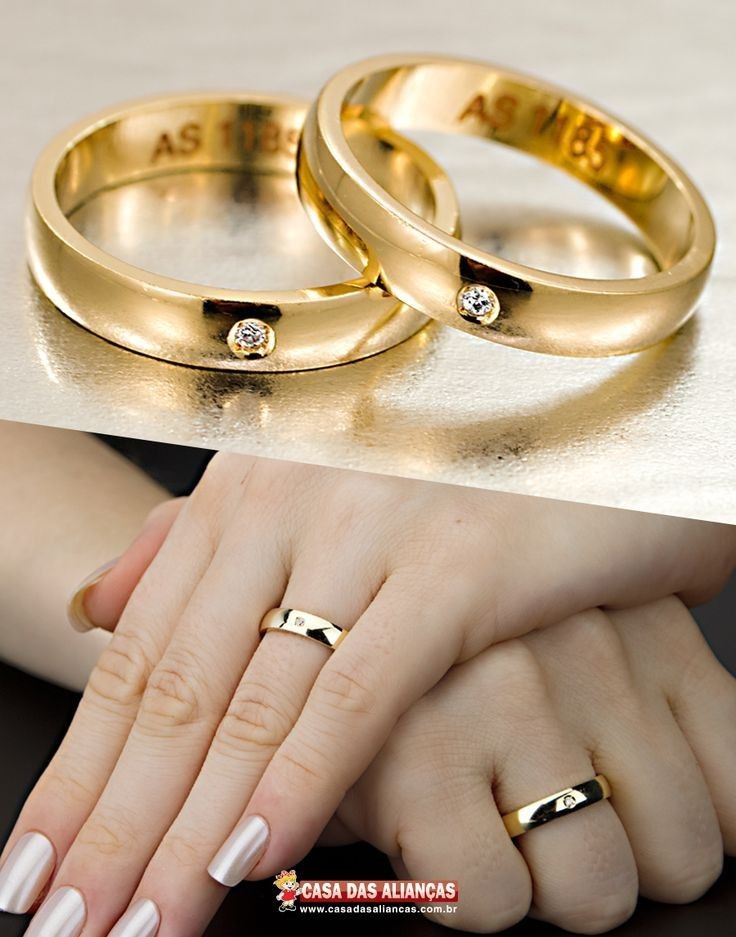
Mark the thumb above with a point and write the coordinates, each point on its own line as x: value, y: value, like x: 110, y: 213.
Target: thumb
x: 99, y: 601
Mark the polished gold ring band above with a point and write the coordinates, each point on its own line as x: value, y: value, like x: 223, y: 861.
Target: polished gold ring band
x: 557, y: 805
x: 472, y: 289
x: 305, y: 625
x: 195, y: 324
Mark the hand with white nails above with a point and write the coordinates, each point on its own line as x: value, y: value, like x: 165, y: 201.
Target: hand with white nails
x: 197, y: 744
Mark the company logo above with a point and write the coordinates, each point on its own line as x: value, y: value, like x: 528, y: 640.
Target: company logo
x: 346, y: 896
x: 289, y: 889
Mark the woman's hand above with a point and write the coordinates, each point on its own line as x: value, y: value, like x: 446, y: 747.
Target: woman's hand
x: 635, y: 695
x: 189, y: 724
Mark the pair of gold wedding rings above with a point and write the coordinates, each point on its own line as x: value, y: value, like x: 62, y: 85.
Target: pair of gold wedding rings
x: 384, y: 205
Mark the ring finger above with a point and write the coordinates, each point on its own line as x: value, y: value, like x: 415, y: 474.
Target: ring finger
x: 262, y: 711
x: 659, y: 791
x: 581, y: 864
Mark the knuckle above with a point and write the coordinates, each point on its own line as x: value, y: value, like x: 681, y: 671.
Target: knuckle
x: 483, y: 862
x: 254, y: 720
x: 690, y: 879
x: 599, y: 900
x: 593, y: 634
x: 454, y: 531
x: 600, y: 914
x: 173, y: 698
x: 345, y: 509
x: 121, y: 673
x: 66, y: 787
x: 694, y: 670
x: 108, y: 834
x: 347, y: 686
x: 511, y: 907
x: 515, y: 675
x: 350, y: 502
x: 163, y: 511
x: 303, y: 767
x: 207, y: 506
x: 595, y: 641
x: 348, y: 492
x: 187, y: 849
x: 238, y: 486
x: 223, y: 468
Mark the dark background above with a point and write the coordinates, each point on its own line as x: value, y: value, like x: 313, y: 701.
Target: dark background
x: 34, y: 715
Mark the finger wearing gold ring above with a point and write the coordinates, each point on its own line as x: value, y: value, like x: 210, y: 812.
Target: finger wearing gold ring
x: 303, y: 624
x: 471, y: 289
x: 279, y: 679
x: 557, y: 805
x: 195, y: 324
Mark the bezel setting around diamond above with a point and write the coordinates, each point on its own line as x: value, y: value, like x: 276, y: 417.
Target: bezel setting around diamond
x: 251, y: 338
x: 479, y: 304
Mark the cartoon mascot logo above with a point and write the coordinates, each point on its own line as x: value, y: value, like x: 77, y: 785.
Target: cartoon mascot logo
x: 289, y: 890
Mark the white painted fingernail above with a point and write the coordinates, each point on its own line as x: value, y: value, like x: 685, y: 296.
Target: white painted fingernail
x: 25, y: 873
x: 241, y: 852
x: 75, y: 610
x: 140, y: 920
x: 61, y: 915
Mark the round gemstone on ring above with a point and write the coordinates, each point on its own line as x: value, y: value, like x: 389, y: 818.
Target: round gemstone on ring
x: 251, y: 338
x: 478, y: 303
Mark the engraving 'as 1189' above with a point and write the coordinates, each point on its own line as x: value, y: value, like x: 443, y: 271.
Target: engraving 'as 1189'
x: 580, y: 136
x: 239, y: 137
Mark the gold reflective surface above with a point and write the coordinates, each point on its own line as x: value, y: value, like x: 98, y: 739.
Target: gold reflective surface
x: 655, y: 431
x: 556, y: 806
x: 429, y: 269
x: 252, y: 136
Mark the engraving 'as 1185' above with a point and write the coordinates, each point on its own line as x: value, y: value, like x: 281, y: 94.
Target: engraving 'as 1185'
x: 239, y: 137
x: 580, y: 136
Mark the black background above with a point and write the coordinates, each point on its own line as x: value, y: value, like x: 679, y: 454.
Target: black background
x: 34, y: 714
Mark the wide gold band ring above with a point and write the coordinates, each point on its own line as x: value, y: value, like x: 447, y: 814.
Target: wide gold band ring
x: 557, y: 805
x: 195, y: 324
x: 305, y: 625
x: 472, y: 289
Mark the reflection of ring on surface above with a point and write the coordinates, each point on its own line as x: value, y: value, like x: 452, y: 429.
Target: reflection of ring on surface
x: 194, y: 324
x: 471, y: 289
x: 305, y: 625
x: 564, y: 802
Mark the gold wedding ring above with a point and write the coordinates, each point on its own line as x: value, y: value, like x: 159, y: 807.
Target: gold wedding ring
x: 469, y: 288
x: 557, y: 805
x: 196, y: 324
x: 305, y: 625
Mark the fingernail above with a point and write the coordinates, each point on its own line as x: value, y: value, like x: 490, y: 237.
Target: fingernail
x: 140, y: 920
x: 241, y: 852
x: 61, y: 915
x: 75, y: 611
x: 25, y: 872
